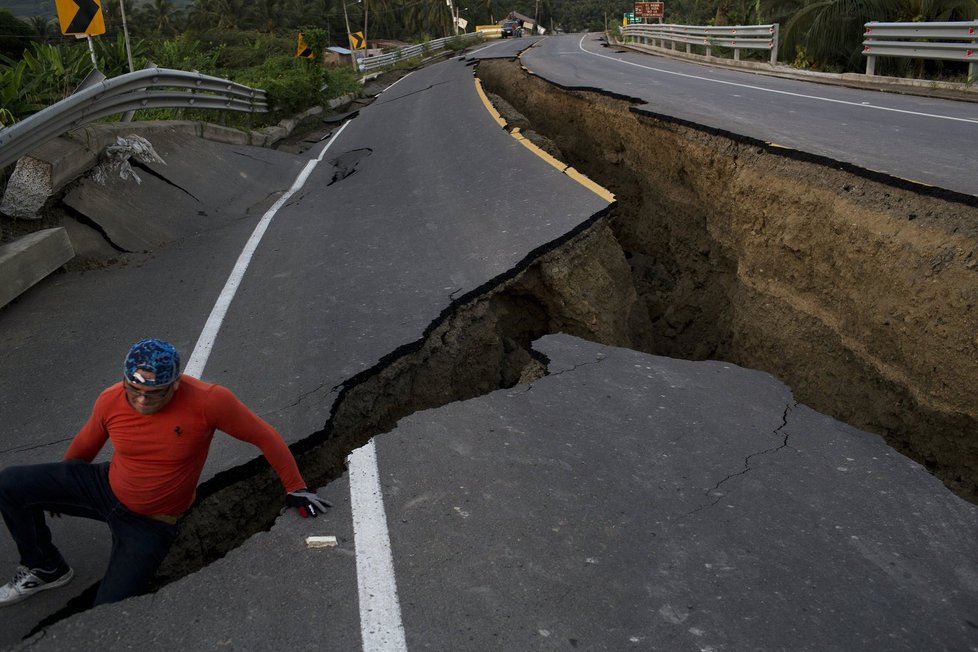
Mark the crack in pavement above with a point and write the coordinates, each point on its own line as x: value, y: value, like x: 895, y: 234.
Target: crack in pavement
x: 347, y: 163
x: 747, y: 467
x: 20, y: 449
x: 548, y: 373
x: 162, y: 178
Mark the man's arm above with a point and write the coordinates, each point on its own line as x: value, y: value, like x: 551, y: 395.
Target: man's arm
x: 235, y: 418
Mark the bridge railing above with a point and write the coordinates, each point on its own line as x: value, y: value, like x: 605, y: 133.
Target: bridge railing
x: 734, y: 37
x: 144, y: 89
x: 947, y: 41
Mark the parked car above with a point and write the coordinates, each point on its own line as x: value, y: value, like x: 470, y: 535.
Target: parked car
x: 509, y: 28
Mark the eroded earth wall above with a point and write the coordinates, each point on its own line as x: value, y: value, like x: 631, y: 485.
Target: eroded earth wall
x: 858, y: 290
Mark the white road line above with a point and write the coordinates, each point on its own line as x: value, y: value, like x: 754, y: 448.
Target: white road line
x: 381, y: 628
x: 862, y: 105
x: 205, y: 343
x: 380, y: 612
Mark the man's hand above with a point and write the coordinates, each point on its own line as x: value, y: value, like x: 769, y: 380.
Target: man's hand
x: 307, y: 502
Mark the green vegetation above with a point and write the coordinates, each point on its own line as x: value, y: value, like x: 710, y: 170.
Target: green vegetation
x: 254, y: 41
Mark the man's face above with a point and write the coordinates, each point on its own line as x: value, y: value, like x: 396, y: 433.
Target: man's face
x: 149, y: 399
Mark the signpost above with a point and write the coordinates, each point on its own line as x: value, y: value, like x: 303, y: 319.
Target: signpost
x: 302, y: 48
x: 81, y: 19
x: 650, y: 10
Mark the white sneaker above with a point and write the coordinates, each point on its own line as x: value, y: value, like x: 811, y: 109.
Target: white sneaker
x: 27, y: 582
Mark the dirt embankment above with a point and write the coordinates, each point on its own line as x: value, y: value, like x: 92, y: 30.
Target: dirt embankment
x: 859, y: 292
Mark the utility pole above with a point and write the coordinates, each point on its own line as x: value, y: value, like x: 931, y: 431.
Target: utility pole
x: 353, y: 56
x: 125, y: 33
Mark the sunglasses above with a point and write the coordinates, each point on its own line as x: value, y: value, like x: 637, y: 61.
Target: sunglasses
x: 148, y: 394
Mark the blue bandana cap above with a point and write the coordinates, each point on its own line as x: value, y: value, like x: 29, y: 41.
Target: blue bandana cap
x: 156, y: 356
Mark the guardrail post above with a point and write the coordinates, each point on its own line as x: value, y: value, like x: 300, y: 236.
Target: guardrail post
x: 871, y: 64
x: 774, y: 43
x: 972, y: 77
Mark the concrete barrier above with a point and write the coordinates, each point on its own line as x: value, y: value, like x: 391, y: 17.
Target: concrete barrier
x: 27, y: 260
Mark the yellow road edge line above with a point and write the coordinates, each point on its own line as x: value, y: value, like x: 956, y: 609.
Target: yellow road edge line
x: 597, y: 189
x: 485, y: 100
x: 560, y: 166
x: 525, y: 142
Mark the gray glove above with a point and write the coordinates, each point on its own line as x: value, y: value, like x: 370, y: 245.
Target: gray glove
x: 307, y: 502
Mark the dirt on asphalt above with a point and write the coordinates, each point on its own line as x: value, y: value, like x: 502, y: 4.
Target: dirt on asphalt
x: 858, y: 290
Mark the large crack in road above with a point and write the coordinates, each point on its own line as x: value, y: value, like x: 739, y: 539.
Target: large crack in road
x: 859, y: 293
x: 858, y: 290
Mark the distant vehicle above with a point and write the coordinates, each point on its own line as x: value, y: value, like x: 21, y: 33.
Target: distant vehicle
x: 509, y: 28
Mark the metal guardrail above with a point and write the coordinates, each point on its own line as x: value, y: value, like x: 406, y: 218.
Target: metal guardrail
x: 949, y: 41
x: 405, y: 53
x: 735, y: 37
x: 135, y: 90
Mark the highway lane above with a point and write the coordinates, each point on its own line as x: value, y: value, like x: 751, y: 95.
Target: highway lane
x: 930, y: 141
x: 418, y: 202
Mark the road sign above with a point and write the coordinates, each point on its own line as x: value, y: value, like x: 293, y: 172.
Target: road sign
x: 80, y: 16
x: 302, y: 49
x: 357, y: 42
x: 650, y: 9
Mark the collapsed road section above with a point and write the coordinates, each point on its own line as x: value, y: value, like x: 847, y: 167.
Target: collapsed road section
x: 677, y: 269
x: 858, y: 290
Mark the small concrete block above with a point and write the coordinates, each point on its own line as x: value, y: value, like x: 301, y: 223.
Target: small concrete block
x: 29, y: 187
x: 29, y: 259
x: 321, y: 542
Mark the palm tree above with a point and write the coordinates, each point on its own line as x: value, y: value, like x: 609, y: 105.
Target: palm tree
x: 45, y: 27
x: 264, y: 15
x: 161, y: 15
x: 203, y: 14
x: 428, y: 18
x: 832, y: 30
x: 227, y: 13
x: 937, y: 10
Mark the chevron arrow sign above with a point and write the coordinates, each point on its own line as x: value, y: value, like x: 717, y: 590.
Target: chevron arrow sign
x: 80, y: 16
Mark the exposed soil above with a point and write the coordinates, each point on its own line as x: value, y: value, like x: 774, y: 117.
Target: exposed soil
x: 859, y: 291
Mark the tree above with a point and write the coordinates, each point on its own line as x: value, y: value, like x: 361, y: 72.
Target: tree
x: 264, y: 15
x: 45, y: 27
x: 831, y: 31
x: 427, y: 18
x: 161, y: 16
x: 15, y: 35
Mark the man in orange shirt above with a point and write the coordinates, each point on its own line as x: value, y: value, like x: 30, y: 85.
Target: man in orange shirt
x: 161, y: 425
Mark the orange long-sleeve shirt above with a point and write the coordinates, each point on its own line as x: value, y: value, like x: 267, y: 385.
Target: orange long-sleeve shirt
x: 158, y: 458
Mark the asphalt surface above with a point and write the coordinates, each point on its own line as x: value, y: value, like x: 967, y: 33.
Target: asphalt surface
x: 926, y: 140
x: 406, y: 215
x: 622, y: 502
x: 625, y: 501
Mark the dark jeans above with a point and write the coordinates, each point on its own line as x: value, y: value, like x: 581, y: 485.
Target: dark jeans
x: 78, y: 488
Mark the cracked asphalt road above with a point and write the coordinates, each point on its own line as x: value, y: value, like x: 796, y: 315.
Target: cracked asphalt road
x: 568, y: 513
x: 624, y: 501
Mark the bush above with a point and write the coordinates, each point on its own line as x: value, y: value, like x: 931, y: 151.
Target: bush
x: 293, y: 84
